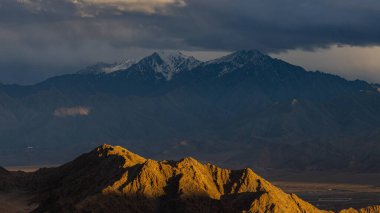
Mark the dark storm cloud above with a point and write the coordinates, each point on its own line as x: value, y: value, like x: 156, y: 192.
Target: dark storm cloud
x: 280, y: 25
x: 40, y: 38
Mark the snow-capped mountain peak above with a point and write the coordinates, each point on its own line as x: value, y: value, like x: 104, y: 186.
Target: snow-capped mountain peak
x: 168, y: 64
x: 165, y: 65
x: 123, y: 65
x: 106, y: 68
x: 239, y: 59
x: 242, y: 56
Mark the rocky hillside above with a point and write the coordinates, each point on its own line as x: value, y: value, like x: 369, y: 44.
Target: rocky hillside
x: 113, y: 179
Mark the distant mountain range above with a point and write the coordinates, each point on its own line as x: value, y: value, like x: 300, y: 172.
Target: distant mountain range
x: 113, y: 179
x: 244, y: 109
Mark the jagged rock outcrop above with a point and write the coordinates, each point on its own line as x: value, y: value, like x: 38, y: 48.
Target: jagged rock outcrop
x: 113, y: 179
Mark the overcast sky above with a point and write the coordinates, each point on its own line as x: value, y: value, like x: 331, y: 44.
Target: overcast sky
x: 42, y: 38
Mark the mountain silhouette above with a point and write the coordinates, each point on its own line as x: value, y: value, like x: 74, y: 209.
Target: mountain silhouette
x: 243, y: 109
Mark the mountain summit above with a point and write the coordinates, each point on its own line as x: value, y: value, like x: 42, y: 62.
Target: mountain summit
x: 113, y: 179
x: 241, y: 57
x: 255, y: 109
x: 134, y: 184
x: 104, y: 68
x: 165, y: 65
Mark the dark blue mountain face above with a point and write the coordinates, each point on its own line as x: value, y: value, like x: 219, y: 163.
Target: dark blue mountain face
x: 242, y: 109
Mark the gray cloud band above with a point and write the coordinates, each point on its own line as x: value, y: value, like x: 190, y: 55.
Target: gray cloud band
x: 72, y: 28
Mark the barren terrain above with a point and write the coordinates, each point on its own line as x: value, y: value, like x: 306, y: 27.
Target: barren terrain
x: 330, y: 190
x: 325, y: 190
x: 16, y: 202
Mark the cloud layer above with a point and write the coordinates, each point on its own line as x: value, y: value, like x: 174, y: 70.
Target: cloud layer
x: 94, y: 7
x: 41, y: 38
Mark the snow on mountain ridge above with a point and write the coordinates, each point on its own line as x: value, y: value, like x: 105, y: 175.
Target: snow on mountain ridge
x: 238, y: 60
x: 168, y: 64
x: 123, y: 65
x: 105, y: 68
x: 245, y: 56
x: 165, y: 64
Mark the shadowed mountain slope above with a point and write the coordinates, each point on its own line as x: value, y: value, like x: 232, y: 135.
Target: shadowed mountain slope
x: 244, y: 109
